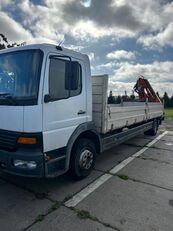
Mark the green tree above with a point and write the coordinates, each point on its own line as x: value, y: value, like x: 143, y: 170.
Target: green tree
x: 167, y: 101
x: 157, y: 93
x: 171, y: 101
x: 111, y: 98
x: 118, y: 100
x: 132, y: 97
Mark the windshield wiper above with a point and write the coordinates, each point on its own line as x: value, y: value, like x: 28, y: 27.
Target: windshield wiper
x: 4, y: 94
x: 9, y: 98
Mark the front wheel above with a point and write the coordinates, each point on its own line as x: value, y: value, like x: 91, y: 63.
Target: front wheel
x: 82, y: 159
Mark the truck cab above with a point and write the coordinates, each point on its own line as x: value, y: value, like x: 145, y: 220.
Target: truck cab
x: 45, y: 103
x: 54, y: 116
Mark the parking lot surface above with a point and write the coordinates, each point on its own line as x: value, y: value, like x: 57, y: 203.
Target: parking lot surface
x: 130, y: 189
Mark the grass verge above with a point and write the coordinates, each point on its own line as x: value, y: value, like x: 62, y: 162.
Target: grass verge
x: 168, y: 112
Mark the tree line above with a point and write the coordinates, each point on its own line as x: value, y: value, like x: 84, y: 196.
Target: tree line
x: 168, y: 101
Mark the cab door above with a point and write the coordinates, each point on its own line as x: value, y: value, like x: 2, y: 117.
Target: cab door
x: 66, y: 108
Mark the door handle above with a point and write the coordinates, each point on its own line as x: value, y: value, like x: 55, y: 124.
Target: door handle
x: 81, y: 112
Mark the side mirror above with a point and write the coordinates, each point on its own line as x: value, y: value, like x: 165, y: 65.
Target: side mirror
x: 72, y: 74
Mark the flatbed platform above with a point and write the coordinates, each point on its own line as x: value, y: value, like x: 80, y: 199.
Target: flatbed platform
x: 108, y: 117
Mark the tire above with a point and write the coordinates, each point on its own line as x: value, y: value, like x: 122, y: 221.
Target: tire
x: 153, y: 130
x: 82, y: 159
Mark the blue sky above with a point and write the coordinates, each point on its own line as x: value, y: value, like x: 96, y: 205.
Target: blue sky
x: 122, y: 38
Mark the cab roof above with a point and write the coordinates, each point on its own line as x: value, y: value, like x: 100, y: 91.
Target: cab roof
x: 45, y: 47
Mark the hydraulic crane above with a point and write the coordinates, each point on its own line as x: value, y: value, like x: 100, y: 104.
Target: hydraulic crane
x: 145, y: 91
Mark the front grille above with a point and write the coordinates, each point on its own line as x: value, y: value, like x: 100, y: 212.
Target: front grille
x: 8, y: 139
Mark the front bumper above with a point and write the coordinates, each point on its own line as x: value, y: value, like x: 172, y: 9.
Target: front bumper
x: 7, y: 158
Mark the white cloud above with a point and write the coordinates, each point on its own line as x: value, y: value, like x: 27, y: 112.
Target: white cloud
x: 119, y: 88
x: 5, y: 3
x: 160, y: 75
x: 121, y: 54
x: 150, y: 22
x: 160, y: 17
x: 51, y: 22
x: 74, y: 47
x: 13, y: 30
x: 104, y: 68
x: 88, y: 20
x: 159, y: 40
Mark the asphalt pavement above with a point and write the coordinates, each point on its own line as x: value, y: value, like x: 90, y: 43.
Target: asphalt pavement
x: 130, y: 189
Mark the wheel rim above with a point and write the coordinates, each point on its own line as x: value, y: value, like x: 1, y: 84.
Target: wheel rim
x: 86, y: 159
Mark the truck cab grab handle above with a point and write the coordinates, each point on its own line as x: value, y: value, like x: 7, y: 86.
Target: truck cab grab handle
x: 81, y: 112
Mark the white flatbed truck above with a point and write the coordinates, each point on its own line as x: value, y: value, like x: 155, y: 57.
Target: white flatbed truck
x: 54, y: 115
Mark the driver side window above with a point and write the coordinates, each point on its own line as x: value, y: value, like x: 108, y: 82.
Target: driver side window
x: 57, y: 73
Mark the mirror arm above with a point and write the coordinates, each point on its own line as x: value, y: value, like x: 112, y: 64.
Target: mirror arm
x: 47, y: 98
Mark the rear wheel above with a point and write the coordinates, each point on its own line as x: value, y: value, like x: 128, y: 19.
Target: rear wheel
x: 82, y: 159
x: 153, y: 130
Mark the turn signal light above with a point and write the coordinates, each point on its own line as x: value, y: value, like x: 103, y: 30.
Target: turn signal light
x: 27, y: 140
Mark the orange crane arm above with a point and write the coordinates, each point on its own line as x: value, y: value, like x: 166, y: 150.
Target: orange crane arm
x: 145, y: 91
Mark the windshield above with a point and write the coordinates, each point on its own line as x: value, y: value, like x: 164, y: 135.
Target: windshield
x: 19, y: 77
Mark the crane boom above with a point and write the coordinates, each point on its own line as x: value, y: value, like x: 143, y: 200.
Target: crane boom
x: 145, y: 91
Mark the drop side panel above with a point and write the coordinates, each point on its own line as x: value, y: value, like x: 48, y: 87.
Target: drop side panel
x: 99, y: 98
